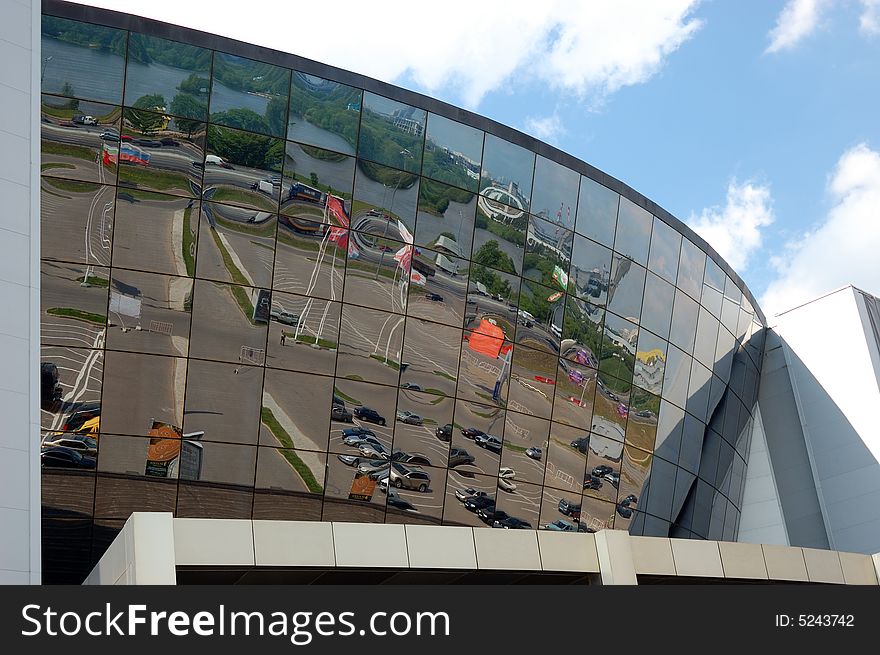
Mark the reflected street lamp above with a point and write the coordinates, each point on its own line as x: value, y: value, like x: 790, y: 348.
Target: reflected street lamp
x: 43, y: 70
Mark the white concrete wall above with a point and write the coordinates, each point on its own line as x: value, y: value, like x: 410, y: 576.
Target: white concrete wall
x: 19, y: 292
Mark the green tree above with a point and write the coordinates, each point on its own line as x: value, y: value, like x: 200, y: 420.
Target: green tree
x: 313, y: 178
x: 145, y: 116
x: 247, y: 149
x: 195, y: 85
x: 189, y: 111
x: 490, y: 254
x: 276, y: 116
x: 243, y: 119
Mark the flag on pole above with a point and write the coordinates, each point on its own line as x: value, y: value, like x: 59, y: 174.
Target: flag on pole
x: 560, y: 276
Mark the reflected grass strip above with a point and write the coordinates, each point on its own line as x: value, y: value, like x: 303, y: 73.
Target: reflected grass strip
x: 269, y: 420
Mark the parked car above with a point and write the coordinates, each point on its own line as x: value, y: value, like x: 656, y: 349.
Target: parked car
x: 570, y: 508
x: 435, y: 297
x: 489, y: 514
x: 581, y: 444
x: 561, y: 525
x: 471, y: 433
x: 592, y: 482
x: 512, y: 523
x: 283, y: 316
x: 358, y: 440
x: 475, y: 503
x: 50, y: 388
x: 468, y: 492
x: 624, y: 511
x: 535, y: 453
x: 493, y: 443
x: 357, y: 431
x: 444, y: 432
x: 62, y: 457
x: 630, y: 500
x: 374, y: 450
x: 410, y: 459
x: 505, y: 472
x: 410, y: 386
x: 168, y: 141
x: 83, y: 443
x: 458, y: 456
x: 601, y: 470
x: 506, y: 484
x: 339, y: 413
x: 370, y: 465
x: 370, y: 415
x: 404, y: 477
x: 109, y: 135
x: 409, y: 417
x: 399, y: 503
x: 613, y: 478
x: 349, y: 460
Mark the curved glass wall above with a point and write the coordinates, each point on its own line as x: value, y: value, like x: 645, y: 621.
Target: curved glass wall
x: 268, y: 294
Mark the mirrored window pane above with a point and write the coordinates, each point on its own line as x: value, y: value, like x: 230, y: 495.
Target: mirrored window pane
x: 360, y: 409
x: 707, y: 331
x: 453, y: 152
x: 477, y: 438
x: 168, y: 74
x: 168, y: 222
x: 217, y: 480
x: 575, y: 390
x: 423, y: 428
x: 309, y: 174
x: 676, y: 376
x: 634, y: 470
x: 79, y: 139
x: 556, y: 192
x: 242, y: 168
x: 657, y: 305
x: 352, y: 493
x: 414, y: 493
x: 602, y: 475
x: 392, y: 133
x: 713, y: 287
x: 223, y: 402
x: 567, y: 458
x: 310, y: 258
x: 590, y: 270
x: 236, y: 245
x: 698, y: 390
x: 303, y: 333
x: 73, y: 303
x: 70, y: 388
x: 650, y: 362
x: 526, y: 442
x: 76, y: 221
x: 597, y: 211
x: 323, y: 113
x: 548, y: 252
x: 492, y: 297
x: 466, y: 494
x: 626, y: 287
x: 431, y: 352
x: 82, y: 60
x: 665, y: 248
x: 641, y: 420
x: 633, y: 234
x: 499, y: 242
x: 289, y: 484
x: 289, y: 417
x: 378, y: 272
x: 249, y: 95
x: 690, y: 269
x: 540, y: 316
x: 506, y: 178
x: 149, y: 313
x: 445, y: 218
x: 669, y: 426
x: 370, y: 345
x: 229, y: 322
x: 532, y: 381
x: 438, y: 287
x: 383, y: 197
x: 618, y: 352
x: 484, y: 371
x: 684, y: 322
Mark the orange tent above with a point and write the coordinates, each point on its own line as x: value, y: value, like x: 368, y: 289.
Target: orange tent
x: 487, y: 339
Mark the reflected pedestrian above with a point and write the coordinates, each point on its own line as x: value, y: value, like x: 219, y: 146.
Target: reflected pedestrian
x: 282, y: 337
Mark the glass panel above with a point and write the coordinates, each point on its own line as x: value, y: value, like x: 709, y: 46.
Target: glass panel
x: 567, y: 458
x: 641, y: 420
x: 665, y: 249
x: 158, y: 153
x: 73, y: 307
x: 384, y: 196
x: 229, y: 323
x: 138, y: 474
x: 76, y: 221
x: 303, y: 333
x: 650, y: 362
x: 70, y: 387
x: 250, y: 95
x: 484, y: 370
x: 372, y: 407
x: 352, y: 494
x: 533, y: 378
x: 309, y: 174
x: 556, y: 192
x: 82, y: 60
x: 618, y: 354
x: 310, y: 258
x: 423, y: 425
x: 707, y: 332
x: 243, y: 168
x: 289, y: 484
x: 216, y: 480
x: 223, y: 402
x: 633, y: 231
x: 626, y: 288
x: 79, y: 139
x: 698, y: 390
x: 377, y: 272
x: 154, y: 218
x: 370, y: 345
x: 142, y: 389
x: 713, y: 287
x: 323, y: 113
x: 506, y: 177
x: 669, y: 427
x: 526, y: 440
x: 431, y: 353
x: 676, y: 376
x: 392, y: 133
x: 464, y: 497
x: 657, y: 305
x: 590, y: 270
x: 597, y: 211
x: 633, y: 474
x: 236, y: 245
x: 540, y: 316
x: 492, y: 296
x: 438, y: 287
x: 445, y: 218
x: 561, y: 511
x: 453, y: 152
x: 729, y: 315
x: 517, y: 507
x: 684, y: 322
x: 690, y: 269
x: 548, y: 247
x: 171, y: 75
x: 477, y: 438
x: 499, y: 237
x: 67, y: 475
x: 415, y: 494
x: 149, y: 313
x: 289, y: 415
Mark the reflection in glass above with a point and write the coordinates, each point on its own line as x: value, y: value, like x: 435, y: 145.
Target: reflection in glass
x: 641, y: 420
x: 67, y: 475
x: 289, y: 484
x: 141, y: 389
x: 532, y: 381
x: 665, y: 248
x: 713, y: 287
x: 626, y: 288
x: 603, y: 466
x: 414, y: 493
x: 698, y: 390
x: 499, y: 238
x: 229, y: 323
x: 707, y: 331
x: 73, y: 307
x: 506, y: 178
x: 453, y: 152
x: 310, y: 257
x: 445, y: 218
x: 351, y: 493
x: 323, y: 113
x: 167, y: 74
x: 633, y: 231
x: 684, y: 322
x: 79, y: 139
x: 249, y: 95
x: 82, y: 60
x: 76, y: 221
x: 422, y: 428
x: 217, y: 480
x: 149, y: 313
x: 567, y: 458
x: 290, y: 416
x: 590, y: 270
x: 484, y: 369
x: 465, y: 492
x: 477, y: 438
x: 657, y: 305
x: 650, y: 362
x: 548, y: 248
x: 303, y: 333
x: 597, y: 211
x: 392, y: 133
x: 618, y: 353
x: 371, y: 406
x: 309, y: 175
x: 169, y: 223
x: 540, y: 316
x: 431, y: 352
x: 438, y: 287
x: 242, y: 168
x: 526, y: 441
x: 676, y: 376
x: 690, y: 269
x: 518, y: 506
x: 223, y: 402
x: 370, y: 345
x: 556, y: 192
x: 236, y: 244
x: 384, y: 196
x: 70, y: 393
x: 378, y: 272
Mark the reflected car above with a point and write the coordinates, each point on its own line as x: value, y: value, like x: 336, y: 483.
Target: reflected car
x: 109, y: 135
x: 505, y: 484
x: 475, y: 503
x: 613, y: 478
x: 410, y: 386
x: 358, y: 431
x: 458, y: 456
x: 411, y: 459
x: 370, y: 465
x: 494, y: 444
x: 535, y: 453
x: 284, y: 317
x: 512, y: 523
x: 370, y: 415
x: 404, y: 477
x: 561, y: 525
x: 630, y: 500
x: 374, y: 450
x: 592, y: 482
x: 435, y: 297
x: 409, y: 417
x: 359, y: 440
x: 468, y: 492
x: 444, y: 432
x: 570, y: 508
x: 581, y: 444
x: 349, y: 460
x: 83, y: 443
x: 61, y: 457
x: 489, y: 514
x: 624, y: 511
x: 601, y: 471
x: 339, y: 413
x: 505, y: 472
x: 471, y: 433
x: 50, y: 388
x: 399, y: 503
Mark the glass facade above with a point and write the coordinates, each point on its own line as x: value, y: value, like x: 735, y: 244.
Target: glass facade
x: 270, y: 295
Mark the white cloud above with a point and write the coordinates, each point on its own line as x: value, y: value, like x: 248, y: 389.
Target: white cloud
x: 869, y: 21
x: 735, y: 229
x: 844, y: 248
x: 459, y: 48
x: 548, y: 128
x: 797, y: 20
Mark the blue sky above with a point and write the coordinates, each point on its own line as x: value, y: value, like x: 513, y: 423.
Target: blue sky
x: 758, y: 123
